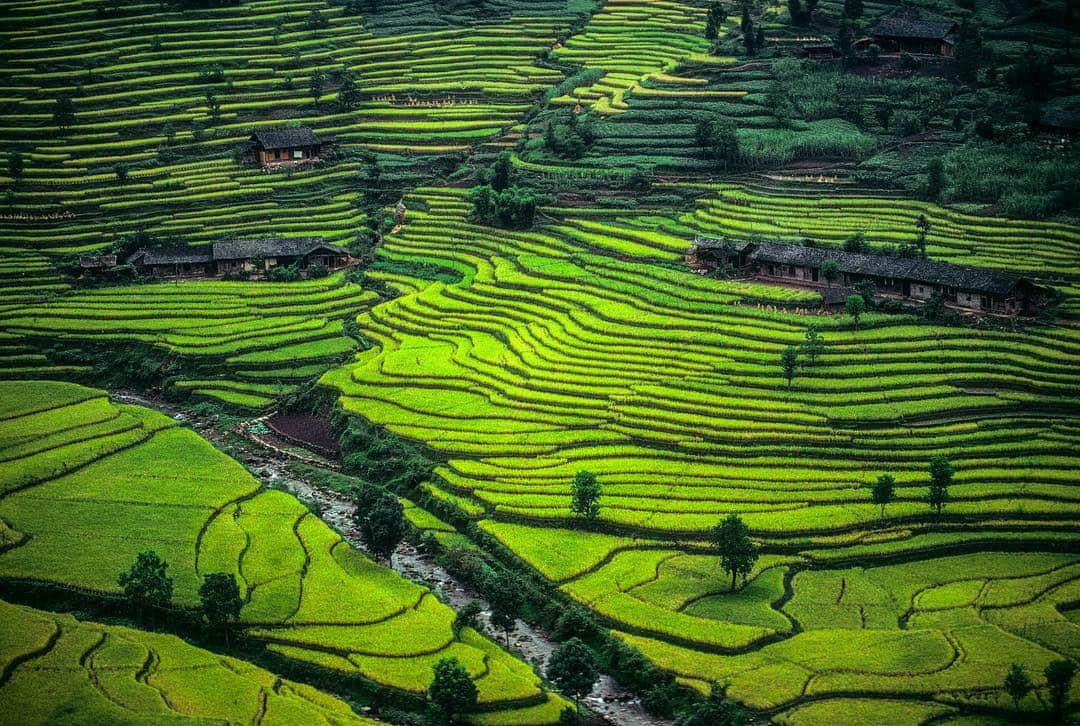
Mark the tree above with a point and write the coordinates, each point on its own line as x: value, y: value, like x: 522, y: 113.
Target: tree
x: 747, y: 25
x: 789, y: 362
x: 451, y: 689
x: 714, y: 711
x: 316, y: 86
x: 714, y: 20
x: 213, y: 105
x: 855, y: 307
x: 1017, y: 684
x: 718, y: 141
x: 315, y: 20
x: 121, y: 171
x: 853, y: 9
x: 814, y: 347
x: 935, y: 180
x: 1059, y: 675
x: 969, y: 50
x: 830, y: 270
x: 883, y: 491
x: 504, y: 595
x: 731, y: 540
x: 380, y: 519
x: 348, y: 92
x: 146, y: 585
x: 798, y: 15
x: 15, y: 164
x: 941, y: 474
x: 845, y: 42
x: 585, y: 495
x: 219, y: 597
x: 572, y: 667
x: 501, y: 172
x: 856, y: 242
x: 923, y: 226
x: 64, y: 112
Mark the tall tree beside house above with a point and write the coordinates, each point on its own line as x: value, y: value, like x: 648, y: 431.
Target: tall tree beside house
x: 219, y: 600
x: 64, y: 112
x: 970, y: 54
x: 830, y: 270
x: 882, y: 492
x: 814, y: 347
x: 789, y: 363
x: 941, y: 474
x: 585, y: 495
x: 855, y: 307
x: 853, y: 9
x: 731, y: 541
x: 146, y: 585
x: 714, y: 20
x: 923, y: 226
x: 451, y: 689
x: 796, y: 12
x: 845, y: 42
x: 572, y: 667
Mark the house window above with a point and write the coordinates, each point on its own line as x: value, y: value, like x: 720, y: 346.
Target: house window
x: 298, y: 154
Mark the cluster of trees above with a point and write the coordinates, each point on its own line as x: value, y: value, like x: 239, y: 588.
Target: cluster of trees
x: 380, y: 519
x: 941, y: 472
x: 513, y: 207
x: 718, y: 141
x: 1059, y: 675
x: 568, y: 136
x: 812, y: 347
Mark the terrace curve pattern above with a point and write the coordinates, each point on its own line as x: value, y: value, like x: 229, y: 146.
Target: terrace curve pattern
x: 586, y: 346
x: 86, y: 484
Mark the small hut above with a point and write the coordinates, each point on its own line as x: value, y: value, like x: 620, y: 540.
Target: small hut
x: 286, y: 146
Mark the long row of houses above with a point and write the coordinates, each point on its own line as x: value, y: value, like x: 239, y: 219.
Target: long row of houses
x: 966, y: 289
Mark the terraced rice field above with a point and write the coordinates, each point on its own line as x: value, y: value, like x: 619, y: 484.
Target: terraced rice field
x: 73, y: 460
x: 576, y: 347
x: 245, y: 344
x: 57, y: 667
x: 138, y: 80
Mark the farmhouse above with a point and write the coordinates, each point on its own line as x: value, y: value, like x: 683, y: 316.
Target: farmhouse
x: 286, y: 146
x: 242, y: 256
x: 911, y: 32
x: 968, y: 289
x: 1064, y: 125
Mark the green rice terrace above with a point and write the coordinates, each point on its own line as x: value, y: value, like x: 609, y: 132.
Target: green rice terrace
x: 536, y: 362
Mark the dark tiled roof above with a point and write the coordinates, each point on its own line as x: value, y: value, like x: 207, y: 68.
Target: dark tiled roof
x: 917, y: 270
x: 1061, y: 120
x: 92, y: 261
x: 911, y: 25
x: 286, y: 138
x: 243, y: 249
x: 172, y: 256
x: 711, y: 243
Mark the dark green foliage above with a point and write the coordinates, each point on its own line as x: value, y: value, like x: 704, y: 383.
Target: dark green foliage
x: 284, y: 273
x: 714, y: 711
x: 504, y: 595
x: 468, y: 616
x: 830, y: 270
x: 714, y: 20
x: 502, y: 172
x: 883, y: 491
x: 317, y: 86
x: 569, y: 137
x: 64, y: 112
x: 718, y: 141
x: 853, y: 9
x: 348, y: 92
x: 855, y: 243
x: 970, y: 54
x: 585, y: 495
x: 575, y: 622
x: 747, y: 26
x: 941, y: 474
x: 660, y: 699
x: 572, y: 667
x: 219, y: 599
x: 935, y: 180
x: 375, y: 455
x: 1017, y: 683
x: 451, y: 689
x: 799, y: 16
x: 512, y: 208
x: 731, y: 541
x: 380, y: 519
x: 1059, y: 675
x: 146, y: 584
x: 789, y: 363
x: 15, y: 164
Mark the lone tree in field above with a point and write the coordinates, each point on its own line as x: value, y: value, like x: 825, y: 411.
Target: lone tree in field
x: 883, y: 492
x: 713, y: 21
x: 714, y: 711
x: 731, y: 540
x: 585, y: 495
x: 855, y: 307
x: 451, y: 689
x: 503, y: 593
x: 348, y: 92
x: 814, y: 346
x: 941, y: 474
x: 830, y: 270
x: 718, y: 140
x: 1017, y: 684
x: 64, y: 112
x: 15, y: 164
x: 747, y: 25
x: 1059, y: 675
x: 121, y: 171
x: 146, y: 585
x: 380, y: 519
x: 789, y: 362
x: 573, y: 669
x: 219, y: 598
x: 316, y: 86
x: 923, y: 226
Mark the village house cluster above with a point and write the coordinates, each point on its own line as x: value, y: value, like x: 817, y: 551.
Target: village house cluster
x: 966, y: 289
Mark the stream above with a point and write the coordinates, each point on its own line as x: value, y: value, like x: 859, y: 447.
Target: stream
x: 609, y: 700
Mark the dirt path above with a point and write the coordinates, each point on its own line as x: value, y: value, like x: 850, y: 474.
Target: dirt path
x: 267, y: 461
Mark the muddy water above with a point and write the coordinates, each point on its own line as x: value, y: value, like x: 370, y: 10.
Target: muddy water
x: 608, y: 699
